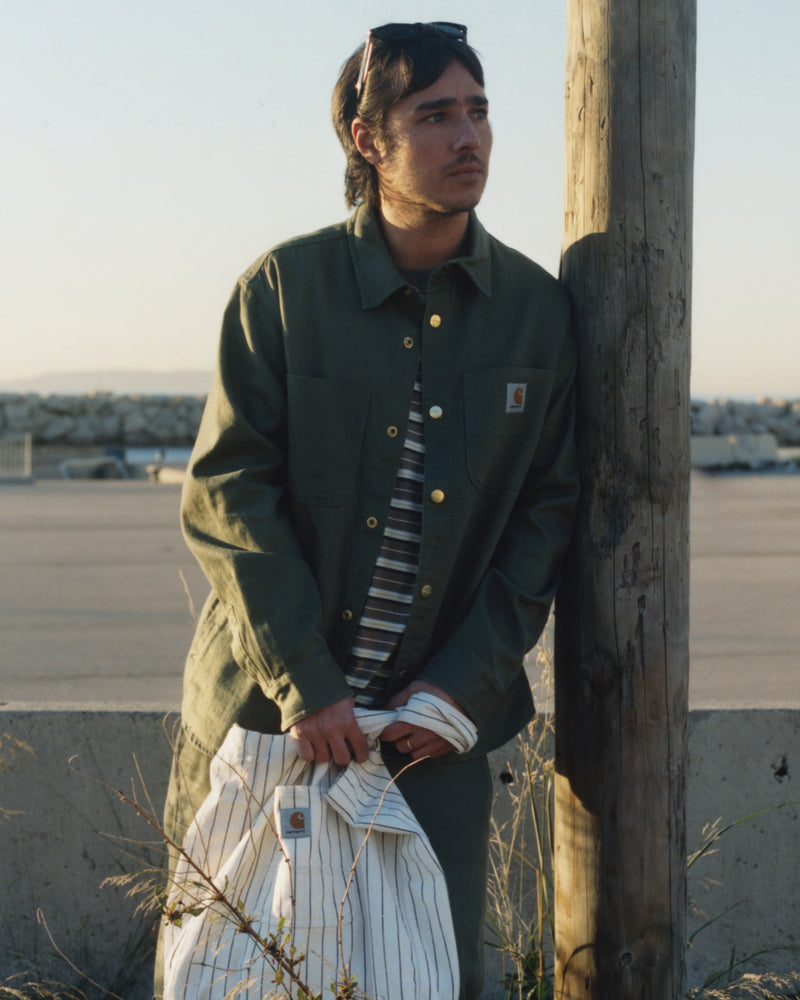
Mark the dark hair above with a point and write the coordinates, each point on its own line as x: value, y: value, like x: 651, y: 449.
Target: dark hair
x: 397, y: 69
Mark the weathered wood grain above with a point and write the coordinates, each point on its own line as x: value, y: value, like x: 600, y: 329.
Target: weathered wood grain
x: 622, y: 622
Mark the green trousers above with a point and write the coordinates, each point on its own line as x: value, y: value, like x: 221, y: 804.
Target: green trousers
x: 450, y: 797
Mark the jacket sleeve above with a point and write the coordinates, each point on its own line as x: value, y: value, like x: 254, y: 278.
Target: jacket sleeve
x: 483, y: 655
x: 236, y: 520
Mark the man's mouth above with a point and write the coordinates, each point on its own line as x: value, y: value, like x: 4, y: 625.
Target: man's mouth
x: 470, y: 167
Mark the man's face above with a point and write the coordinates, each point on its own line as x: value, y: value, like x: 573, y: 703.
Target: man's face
x: 436, y: 156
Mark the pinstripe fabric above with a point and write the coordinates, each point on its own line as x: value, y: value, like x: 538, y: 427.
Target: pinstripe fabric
x: 388, y: 604
x: 283, y: 836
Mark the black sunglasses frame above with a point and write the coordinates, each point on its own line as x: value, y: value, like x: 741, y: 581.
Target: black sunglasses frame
x: 398, y: 32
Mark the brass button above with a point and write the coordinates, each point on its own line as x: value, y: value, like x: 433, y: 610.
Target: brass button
x: 347, y: 614
x: 392, y: 431
x: 408, y: 342
x: 435, y: 320
x: 436, y: 412
x: 372, y: 522
x: 437, y: 496
x: 426, y: 590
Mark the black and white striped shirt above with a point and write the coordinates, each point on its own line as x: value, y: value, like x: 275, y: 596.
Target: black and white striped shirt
x: 391, y: 592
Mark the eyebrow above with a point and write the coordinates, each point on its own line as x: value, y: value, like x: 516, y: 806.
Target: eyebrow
x: 447, y: 102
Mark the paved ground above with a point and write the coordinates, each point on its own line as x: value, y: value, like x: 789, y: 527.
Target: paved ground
x: 745, y: 591
x: 94, y: 593
x: 98, y: 593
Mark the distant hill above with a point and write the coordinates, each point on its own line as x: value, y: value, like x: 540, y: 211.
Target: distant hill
x: 175, y: 383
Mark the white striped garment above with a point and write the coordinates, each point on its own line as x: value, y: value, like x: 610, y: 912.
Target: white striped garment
x: 387, y: 607
x: 283, y: 836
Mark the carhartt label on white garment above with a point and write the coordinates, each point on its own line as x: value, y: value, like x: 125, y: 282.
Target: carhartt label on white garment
x: 295, y: 823
x: 515, y: 396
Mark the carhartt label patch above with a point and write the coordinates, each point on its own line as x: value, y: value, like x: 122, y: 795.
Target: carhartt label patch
x: 515, y: 396
x: 295, y: 823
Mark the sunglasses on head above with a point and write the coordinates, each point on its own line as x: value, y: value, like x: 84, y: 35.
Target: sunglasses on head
x: 401, y: 33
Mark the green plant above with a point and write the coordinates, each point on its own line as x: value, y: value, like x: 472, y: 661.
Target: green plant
x: 520, y: 911
x: 729, y: 983
x: 753, y: 987
x: 520, y: 920
x: 18, y: 989
x: 11, y: 749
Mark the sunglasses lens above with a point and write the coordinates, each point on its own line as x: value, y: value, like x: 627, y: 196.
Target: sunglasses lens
x: 398, y: 32
x: 450, y: 29
x: 394, y: 32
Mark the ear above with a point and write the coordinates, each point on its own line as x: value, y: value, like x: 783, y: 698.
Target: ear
x: 365, y: 141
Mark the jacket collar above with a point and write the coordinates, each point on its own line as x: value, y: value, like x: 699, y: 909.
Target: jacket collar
x: 376, y: 274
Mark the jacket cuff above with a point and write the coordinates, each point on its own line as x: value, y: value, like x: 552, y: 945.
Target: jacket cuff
x: 307, y: 688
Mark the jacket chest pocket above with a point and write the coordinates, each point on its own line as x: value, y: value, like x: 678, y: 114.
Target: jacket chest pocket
x: 504, y: 409
x: 326, y: 431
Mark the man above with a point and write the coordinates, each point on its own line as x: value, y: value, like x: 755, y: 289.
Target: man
x: 384, y: 481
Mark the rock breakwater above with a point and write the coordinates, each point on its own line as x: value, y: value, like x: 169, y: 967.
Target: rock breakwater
x: 765, y: 416
x: 144, y: 420
x: 102, y: 419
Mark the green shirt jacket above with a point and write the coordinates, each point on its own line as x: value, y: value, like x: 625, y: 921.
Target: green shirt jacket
x: 289, y: 483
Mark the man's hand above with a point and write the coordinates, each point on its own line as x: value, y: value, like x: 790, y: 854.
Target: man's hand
x: 331, y: 732
x: 414, y: 740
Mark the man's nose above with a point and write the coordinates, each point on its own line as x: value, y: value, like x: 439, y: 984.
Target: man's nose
x: 468, y: 136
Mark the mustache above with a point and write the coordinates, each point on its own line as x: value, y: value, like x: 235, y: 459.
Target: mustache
x: 465, y: 160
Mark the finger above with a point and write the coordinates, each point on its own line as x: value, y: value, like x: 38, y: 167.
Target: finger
x: 395, y: 731
x: 433, y: 750
x: 340, y: 751
x: 322, y: 753
x: 347, y: 745
x: 409, y: 744
x: 429, y: 745
x: 359, y: 746
x: 304, y: 747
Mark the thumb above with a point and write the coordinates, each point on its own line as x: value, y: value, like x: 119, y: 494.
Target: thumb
x: 400, y: 699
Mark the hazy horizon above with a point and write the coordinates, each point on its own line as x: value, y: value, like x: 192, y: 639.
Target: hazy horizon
x: 188, y: 381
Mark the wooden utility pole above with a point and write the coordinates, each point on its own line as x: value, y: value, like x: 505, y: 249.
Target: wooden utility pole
x: 622, y: 615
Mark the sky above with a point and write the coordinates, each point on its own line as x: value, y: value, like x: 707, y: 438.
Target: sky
x: 152, y: 150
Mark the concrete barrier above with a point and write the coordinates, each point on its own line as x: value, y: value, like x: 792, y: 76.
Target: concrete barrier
x: 64, y: 831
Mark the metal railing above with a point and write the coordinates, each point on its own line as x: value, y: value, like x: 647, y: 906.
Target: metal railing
x: 16, y: 458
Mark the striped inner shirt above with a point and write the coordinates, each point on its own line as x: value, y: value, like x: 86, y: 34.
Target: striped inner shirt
x: 391, y: 592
